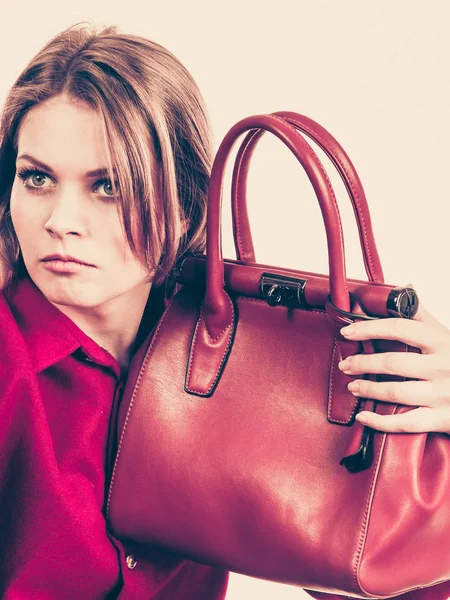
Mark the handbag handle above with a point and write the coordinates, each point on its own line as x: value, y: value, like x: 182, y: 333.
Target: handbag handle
x: 216, y: 306
x: 241, y: 224
x: 214, y: 331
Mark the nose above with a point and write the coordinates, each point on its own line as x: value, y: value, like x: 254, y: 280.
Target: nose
x: 66, y: 217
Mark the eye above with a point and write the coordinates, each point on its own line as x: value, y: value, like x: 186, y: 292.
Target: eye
x: 33, y: 179
x: 107, y: 187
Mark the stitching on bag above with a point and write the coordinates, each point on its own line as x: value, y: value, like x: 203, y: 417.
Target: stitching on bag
x: 201, y: 318
x: 191, y: 354
x: 217, y: 374
x: 136, y: 387
x: 330, y: 395
x: 328, y: 182
x: 352, y: 185
x: 194, y: 341
x: 238, y: 177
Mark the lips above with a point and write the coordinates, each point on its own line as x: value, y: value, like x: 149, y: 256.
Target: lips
x: 66, y: 258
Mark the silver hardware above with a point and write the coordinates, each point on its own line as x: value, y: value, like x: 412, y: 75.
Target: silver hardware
x: 402, y: 302
x: 131, y: 561
x: 281, y: 290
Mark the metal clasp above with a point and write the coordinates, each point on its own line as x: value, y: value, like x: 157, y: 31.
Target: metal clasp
x: 280, y: 290
x: 402, y: 302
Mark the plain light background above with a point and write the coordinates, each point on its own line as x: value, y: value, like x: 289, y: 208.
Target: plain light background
x: 376, y: 74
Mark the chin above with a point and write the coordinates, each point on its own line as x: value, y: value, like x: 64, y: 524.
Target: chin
x: 67, y: 290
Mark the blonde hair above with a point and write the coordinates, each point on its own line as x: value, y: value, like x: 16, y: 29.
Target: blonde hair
x: 157, y: 135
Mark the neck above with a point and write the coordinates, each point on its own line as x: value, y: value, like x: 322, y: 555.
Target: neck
x: 113, y: 325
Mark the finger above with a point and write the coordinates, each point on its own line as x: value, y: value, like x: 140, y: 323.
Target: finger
x: 403, y: 364
x: 411, y: 393
x: 414, y: 333
x: 418, y: 420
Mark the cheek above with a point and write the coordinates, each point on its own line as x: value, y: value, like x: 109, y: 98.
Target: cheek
x: 26, y: 221
x: 125, y: 257
x: 121, y: 252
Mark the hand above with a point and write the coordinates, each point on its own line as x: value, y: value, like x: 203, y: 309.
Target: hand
x: 430, y: 393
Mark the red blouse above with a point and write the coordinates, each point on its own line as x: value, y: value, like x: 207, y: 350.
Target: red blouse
x: 57, y: 391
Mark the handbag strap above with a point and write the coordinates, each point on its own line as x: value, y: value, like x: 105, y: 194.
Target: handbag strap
x: 241, y: 224
x: 215, y: 327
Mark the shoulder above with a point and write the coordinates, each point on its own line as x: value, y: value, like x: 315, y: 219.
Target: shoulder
x: 13, y: 350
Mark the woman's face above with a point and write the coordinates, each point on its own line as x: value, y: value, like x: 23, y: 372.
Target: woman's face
x: 59, y: 206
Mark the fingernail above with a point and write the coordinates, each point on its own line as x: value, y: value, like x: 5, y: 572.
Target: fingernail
x: 344, y: 365
x: 362, y: 418
x: 354, y: 386
x: 348, y: 331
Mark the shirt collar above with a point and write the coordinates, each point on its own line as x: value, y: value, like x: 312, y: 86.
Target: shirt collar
x: 49, y: 334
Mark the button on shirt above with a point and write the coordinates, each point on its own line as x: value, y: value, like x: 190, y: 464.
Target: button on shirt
x: 57, y: 392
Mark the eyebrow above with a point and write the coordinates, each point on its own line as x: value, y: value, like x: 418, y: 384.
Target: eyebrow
x: 102, y: 172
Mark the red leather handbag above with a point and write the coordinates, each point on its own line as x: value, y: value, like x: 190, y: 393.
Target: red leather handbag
x: 238, y: 445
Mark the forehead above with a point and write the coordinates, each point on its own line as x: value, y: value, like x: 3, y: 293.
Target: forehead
x: 64, y: 134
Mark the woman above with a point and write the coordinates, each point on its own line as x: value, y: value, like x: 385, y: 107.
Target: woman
x: 79, y: 263
x: 104, y: 162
